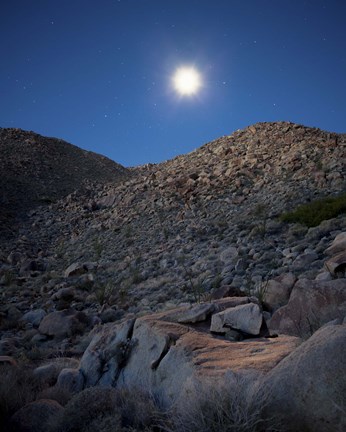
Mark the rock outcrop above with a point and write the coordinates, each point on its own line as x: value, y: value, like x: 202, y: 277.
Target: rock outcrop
x: 157, y: 353
x: 308, y: 387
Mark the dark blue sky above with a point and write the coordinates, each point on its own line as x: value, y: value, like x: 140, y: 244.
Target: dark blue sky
x: 98, y: 73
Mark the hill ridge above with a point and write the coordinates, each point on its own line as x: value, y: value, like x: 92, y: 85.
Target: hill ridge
x: 35, y: 169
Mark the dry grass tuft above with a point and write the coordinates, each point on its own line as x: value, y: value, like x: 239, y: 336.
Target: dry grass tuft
x: 235, y: 405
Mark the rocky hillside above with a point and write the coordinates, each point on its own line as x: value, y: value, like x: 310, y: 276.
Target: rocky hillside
x: 179, y: 229
x: 35, y: 170
x: 108, y: 277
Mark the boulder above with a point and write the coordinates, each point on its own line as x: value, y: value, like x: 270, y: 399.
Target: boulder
x: 9, y: 346
x: 14, y: 257
x: 7, y: 360
x: 196, y: 313
x: 226, y: 291
x: 336, y: 265
x: 324, y: 276
x: 47, y: 374
x: 202, y: 311
x: 111, y: 315
x: 287, y: 280
x: 303, y: 261
x: 228, y: 255
x: 311, y: 304
x: 62, y: 324
x: 276, y: 294
x: 71, y: 379
x: 338, y: 244
x: 66, y: 294
x: 32, y: 266
x: 34, y: 317
x: 310, y: 384
x: 64, y: 297
x: 106, y: 354
x: 246, y: 318
x: 75, y: 269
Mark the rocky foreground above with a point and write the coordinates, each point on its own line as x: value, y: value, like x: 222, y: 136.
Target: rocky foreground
x: 171, y: 277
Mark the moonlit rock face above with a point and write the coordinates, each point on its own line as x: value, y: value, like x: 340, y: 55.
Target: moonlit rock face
x: 187, y: 81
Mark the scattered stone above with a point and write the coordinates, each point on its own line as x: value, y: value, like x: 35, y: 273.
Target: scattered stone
x: 276, y: 294
x: 246, y: 318
x: 197, y: 313
x: 304, y: 260
x: 111, y: 315
x: 324, y: 276
x: 75, y: 269
x: 338, y: 245
x: 34, y: 317
x: 14, y: 257
x: 32, y: 266
x: 226, y: 291
x: 337, y: 264
x: 7, y: 360
x: 48, y: 373
x: 63, y: 324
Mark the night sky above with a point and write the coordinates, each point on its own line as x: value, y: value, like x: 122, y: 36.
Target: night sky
x: 98, y: 74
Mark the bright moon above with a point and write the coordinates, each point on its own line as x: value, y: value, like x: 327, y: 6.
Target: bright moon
x: 187, y: 81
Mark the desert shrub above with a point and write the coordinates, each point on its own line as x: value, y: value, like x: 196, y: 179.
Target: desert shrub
x: 87, y: 406
x: 236, y: 405
x: 104, y: 292
x: 60, y: 394
x: 106, y: 410
x: 18, y: 386
x: 98, y: 248
x: 8, y: 277
x: 315, y: 212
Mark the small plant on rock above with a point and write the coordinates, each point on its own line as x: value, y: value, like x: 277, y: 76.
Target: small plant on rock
x: 261, y: 290
x: 9, y: 277
x: 257, y: 289
x: 196, y: 288
x: 98, y: 248
x: 261, y: 213
x: 104, y: 292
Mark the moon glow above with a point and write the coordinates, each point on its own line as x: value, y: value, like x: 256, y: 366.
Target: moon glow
x: 187, y: 81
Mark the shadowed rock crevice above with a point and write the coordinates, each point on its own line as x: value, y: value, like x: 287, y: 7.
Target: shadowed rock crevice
x: 171, y: 340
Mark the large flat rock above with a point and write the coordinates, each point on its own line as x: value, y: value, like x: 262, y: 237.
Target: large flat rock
x: 168, y: 358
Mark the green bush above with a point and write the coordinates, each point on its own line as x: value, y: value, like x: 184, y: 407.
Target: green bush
x: 315, y: 212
